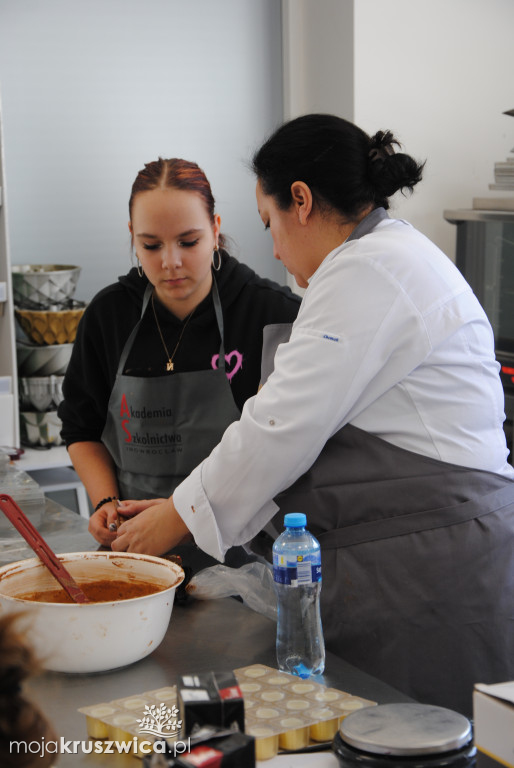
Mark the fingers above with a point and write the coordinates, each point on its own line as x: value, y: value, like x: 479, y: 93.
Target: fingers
x: 112, y: 520
x: 99, y: 529
x: 119, y: 511
x: 132, y: 538
x: 146, y: 533
x: 131, y: 507
x: 151, y: 531
x: 120, y: 544
x: 104, y: 537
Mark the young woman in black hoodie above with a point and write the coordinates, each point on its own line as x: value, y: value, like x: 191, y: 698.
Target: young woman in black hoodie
x: 165, y: 358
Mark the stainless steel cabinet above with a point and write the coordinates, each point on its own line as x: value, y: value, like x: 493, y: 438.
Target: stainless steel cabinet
x: 485, y: 256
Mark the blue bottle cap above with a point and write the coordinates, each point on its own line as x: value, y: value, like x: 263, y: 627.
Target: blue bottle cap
x: 295, y: 520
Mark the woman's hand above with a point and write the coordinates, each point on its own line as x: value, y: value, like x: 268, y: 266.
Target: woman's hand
x: 108, y: 515
x: 153, y: 531
x: 99, y: 525
x: 129, y: 507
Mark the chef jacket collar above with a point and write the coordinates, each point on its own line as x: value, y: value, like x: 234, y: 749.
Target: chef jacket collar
x: 364, y: 227
x: 368, y: 223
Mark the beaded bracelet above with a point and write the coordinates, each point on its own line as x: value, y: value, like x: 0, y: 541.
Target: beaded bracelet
x: 105, y: 501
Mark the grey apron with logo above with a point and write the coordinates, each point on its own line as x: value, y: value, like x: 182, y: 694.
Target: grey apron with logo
x: 159, y: 429
x: 417, y: 558
x: 418, y: 565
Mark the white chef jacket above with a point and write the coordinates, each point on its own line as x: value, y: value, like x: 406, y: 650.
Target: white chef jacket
x: 389, y: 338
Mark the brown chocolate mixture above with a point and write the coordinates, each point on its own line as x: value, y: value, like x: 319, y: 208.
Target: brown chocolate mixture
x: 102, y: 591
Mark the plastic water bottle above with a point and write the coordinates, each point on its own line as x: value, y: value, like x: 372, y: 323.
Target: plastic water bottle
x: 297, y: 577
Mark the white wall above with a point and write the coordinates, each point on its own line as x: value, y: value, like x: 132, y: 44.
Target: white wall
x: 436, y: 72
x: 93, y: 89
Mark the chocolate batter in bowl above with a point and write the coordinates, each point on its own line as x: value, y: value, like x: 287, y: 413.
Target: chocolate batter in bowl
x: 122, y: 628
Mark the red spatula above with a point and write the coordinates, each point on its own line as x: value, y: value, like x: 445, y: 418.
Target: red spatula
x: 41, y: 548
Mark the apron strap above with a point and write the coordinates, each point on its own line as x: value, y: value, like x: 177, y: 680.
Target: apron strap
x: 135, y: 329
x: 219, y: 320
x: 272, y: 336
x: 146, y: 298
x: 390, y: 527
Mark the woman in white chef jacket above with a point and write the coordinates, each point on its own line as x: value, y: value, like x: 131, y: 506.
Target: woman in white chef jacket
x: 382, y: 421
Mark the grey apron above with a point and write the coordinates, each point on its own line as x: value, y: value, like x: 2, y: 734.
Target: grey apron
x: 159, y: 429
x: 418, y: 566
x: 417, y: 558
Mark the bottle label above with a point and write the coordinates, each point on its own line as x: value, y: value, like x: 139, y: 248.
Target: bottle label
x: 296, y: 570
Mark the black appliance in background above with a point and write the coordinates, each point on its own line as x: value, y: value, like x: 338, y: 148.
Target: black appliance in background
x: 485, y: 256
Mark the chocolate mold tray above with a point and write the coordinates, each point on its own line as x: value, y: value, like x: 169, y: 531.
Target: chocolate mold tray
x: 120, y: 719
x: 282, y: 712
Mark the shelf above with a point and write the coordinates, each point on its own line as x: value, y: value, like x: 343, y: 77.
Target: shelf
x: 475, y: 214
x: 62, y: 479
x: 44, y: 458
x: 52, y: 470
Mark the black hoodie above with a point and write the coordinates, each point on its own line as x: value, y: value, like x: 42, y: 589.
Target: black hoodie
x: 248, y: 302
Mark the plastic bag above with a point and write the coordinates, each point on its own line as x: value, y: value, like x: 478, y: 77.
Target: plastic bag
x: 253, y: 582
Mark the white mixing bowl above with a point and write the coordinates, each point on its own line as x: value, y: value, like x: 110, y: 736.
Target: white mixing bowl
x: 92, y: 637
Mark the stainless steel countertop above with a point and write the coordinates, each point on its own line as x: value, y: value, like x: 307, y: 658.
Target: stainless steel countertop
x: 202, y: 636
x: 64, y: 530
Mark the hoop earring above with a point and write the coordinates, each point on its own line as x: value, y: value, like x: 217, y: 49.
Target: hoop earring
x: 217, y: 266
x: 139, y: 268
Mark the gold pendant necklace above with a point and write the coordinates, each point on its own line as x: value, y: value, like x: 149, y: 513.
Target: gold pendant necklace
x: 169, y: 364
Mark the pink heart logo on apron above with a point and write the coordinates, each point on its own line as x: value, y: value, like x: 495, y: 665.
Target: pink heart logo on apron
x: 228, y: 358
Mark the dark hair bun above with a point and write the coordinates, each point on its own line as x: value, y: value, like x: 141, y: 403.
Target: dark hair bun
x: 390, y: 171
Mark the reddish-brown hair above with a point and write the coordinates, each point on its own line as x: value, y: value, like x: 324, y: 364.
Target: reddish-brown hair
x: 174, y: 173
